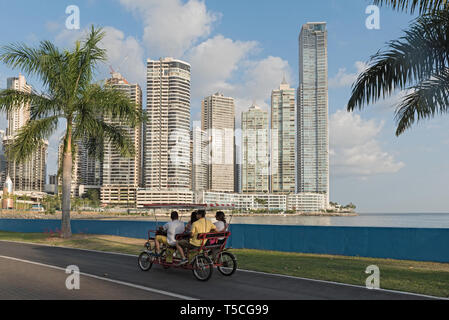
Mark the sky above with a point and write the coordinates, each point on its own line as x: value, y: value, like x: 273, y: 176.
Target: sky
x: 243, y: 49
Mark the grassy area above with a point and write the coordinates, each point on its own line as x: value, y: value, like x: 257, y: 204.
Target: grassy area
x: 410, y: 276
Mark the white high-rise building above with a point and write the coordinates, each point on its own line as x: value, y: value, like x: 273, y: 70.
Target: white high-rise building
x: 283, y: 133
x: 31, y: 174
x: 121, y: 175
x: 18, y: 117
x: 218, y: 121
x: 199, y: 159
x: 166, y: 162
x: 312, y: 112
x: 255, y: 151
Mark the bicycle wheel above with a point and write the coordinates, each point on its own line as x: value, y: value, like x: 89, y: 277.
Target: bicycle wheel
x: 202, y: 268
x: 228, y: 264
x: 145, y: 261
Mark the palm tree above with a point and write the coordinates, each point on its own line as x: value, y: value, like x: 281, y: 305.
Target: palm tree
x: 417, y: 63
x: 423, y: 6
x: 69, y: 95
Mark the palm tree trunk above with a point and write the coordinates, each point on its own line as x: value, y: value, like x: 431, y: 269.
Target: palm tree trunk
x: 67, y: 184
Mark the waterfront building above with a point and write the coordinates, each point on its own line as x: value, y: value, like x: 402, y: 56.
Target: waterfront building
x: 305, y: 202
x: 218, y: 121
x: 312, y: 112
x: 166, y: 154
x: 3, y: 159
x: 28, y: 176
x: 146, y: 197
x: 86, y: 171
x: 52, y: 186
x: 237, y: 169
x: 255, y: 151
x: 199, y: 159
x: 283, y: 134
x: 121, y: 175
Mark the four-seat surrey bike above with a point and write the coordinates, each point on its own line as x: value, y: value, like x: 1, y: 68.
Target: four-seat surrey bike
x: 202, y: 260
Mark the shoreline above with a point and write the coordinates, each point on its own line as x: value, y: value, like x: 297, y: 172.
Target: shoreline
x: 118, y: 216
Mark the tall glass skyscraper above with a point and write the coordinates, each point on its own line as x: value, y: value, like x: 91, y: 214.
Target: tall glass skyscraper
x: 255, y: 151
x: 312, y: 111
x: 199, y: 158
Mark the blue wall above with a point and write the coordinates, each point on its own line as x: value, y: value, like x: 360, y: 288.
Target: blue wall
x: 393, y: 243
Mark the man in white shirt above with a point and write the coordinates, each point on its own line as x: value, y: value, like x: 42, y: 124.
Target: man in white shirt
x: 172, y: 228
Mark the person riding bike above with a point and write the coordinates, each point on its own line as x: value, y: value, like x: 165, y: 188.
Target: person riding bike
x: 221, y: 224
x: 172, y: 228
x: 193, y: 219
x: 201, y: 226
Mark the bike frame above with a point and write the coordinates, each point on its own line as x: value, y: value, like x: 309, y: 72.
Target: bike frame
x: 203, y: 249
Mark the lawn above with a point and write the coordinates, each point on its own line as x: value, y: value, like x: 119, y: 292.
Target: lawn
x: 418, y: 277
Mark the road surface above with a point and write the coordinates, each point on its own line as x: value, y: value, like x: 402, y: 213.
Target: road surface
x: 29, y: 271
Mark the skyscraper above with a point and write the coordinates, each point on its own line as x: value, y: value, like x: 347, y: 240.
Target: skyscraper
x: 167, y: 131
x: 18, y: 117
x: 121, y: 175
x: 3, y: 164
x: 31, y: 174
x: 312, y: 112
x: 283, y: 134
x: 255, y: 151
x: 218, y: 121
x: 199, y: 159
x: 87, y: 169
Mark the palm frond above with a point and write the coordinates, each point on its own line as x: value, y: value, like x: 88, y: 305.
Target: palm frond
x: 41, y: 106
x: 96, y: 132
x: 423, y: 6
x: 422, y: 52
x: 30, y: 137
x: 112, y: 104
x: 428, y: 99
x: 20, y: 56
x: 87, y: 56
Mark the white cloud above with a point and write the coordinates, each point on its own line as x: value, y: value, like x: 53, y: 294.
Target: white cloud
x: 355, y: 149
x: 213, y: 63
x: 223, y: 65
x: 263, y: 76
x: 125, y: 54
x: 171, y: 27
x: 345, y: 79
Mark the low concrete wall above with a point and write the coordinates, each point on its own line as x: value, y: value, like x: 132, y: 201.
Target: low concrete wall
x: 392, y: 243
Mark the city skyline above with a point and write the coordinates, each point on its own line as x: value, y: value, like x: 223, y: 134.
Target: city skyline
x: 386, y: 175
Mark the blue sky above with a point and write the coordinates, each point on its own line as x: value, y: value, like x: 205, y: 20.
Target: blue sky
x: 243, y: 48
